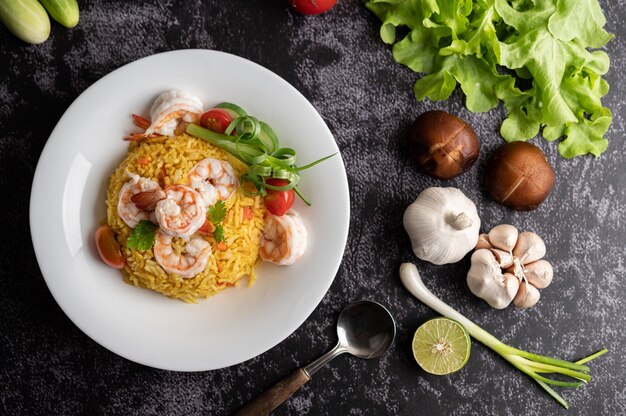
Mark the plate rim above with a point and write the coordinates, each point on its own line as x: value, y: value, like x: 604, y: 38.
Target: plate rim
x: 37, y: 183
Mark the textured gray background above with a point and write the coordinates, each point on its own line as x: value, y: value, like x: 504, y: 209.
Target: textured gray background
x: 48, y: 366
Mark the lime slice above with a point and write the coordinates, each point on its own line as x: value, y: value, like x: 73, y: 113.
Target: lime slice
x: 441, y: 346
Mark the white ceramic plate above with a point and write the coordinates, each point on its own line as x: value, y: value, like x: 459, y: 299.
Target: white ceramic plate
x: 67, y: 203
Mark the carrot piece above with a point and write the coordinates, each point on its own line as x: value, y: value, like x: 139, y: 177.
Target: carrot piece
x: 142, y: 160
x: 207, y: 227
x: 221, y: 246
x: 163, y: 175
x: 248, y: 214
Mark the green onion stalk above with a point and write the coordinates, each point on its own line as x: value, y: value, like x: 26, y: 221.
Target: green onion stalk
x: 533, y: 365
x: 254, y: 143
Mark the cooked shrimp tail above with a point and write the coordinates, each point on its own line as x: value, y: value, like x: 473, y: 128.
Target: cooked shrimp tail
x: 169, y: 109
x: 141, y: 122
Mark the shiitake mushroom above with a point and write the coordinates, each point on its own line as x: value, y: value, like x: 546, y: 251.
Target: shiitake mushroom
x: 518, y: 176
x: 444, y: 145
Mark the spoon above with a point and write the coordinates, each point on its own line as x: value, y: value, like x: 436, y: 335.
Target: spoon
x: 365, y: 329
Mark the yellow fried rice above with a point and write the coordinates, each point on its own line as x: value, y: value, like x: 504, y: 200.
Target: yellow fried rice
x: 169, y: 159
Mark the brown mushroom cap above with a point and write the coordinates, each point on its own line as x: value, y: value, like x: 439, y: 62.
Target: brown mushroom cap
x: 444, y: 145
x: 519, y: 176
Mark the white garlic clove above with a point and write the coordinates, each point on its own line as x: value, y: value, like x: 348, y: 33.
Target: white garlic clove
x: 511, y: 284
x: 530, y: 247
x: 485, y: 280
x: 539, y: 273
x: 483, y: 242
x: 503, y: 236
x: 504, y: 258
x: 527, y: 296
x: 442, y: 224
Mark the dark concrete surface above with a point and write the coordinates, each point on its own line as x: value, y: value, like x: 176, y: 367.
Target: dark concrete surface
x: 337, y: 60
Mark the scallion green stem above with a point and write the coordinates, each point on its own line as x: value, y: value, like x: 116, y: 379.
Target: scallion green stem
x: 223, y: 142
x: 556, y: 396
x: 592, y: 356
x: 528, y: 363
x: 547, y: 368
x: 310, y: 165
x: 525, y: 369
x: 297, y: 191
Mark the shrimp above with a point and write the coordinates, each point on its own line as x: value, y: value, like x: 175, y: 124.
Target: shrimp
x: 214, y: 179
x: 181, y: 213
x: 169, y: 109
x: 284, y: 238
x: 188, y: 264
x: 128, y: 210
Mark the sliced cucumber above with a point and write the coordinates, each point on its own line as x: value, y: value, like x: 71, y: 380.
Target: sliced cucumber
x: 233, y: 109
x: 268, y: 138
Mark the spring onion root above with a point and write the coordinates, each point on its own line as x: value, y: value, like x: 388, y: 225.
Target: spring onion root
x: 533, y: 365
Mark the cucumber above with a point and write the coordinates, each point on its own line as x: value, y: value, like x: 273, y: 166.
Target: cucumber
x: 63, y: 11
x: 268, y: 137
x: 26, y: 19
x: 233, y: 109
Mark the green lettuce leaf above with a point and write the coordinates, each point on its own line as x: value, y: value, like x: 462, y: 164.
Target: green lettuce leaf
x: 523, y: 108
x: 394, y: 13
x: 420, y: 51
x: 563, y: 72
x: 582, y: 19
x: 481, y: 34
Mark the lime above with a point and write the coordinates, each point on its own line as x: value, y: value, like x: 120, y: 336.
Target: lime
x: 441, y: 346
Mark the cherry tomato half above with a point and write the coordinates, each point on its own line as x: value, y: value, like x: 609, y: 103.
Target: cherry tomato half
x: 279, y: 202
x: 108, y: 248
x: 312, y: 6
x: 216, y: 119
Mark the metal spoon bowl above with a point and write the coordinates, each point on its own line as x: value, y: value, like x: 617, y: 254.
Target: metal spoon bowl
x: 365, y: 329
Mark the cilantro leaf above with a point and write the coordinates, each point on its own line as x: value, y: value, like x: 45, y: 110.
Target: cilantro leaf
x: 217, y: 212
x: 218, y: 233
x: 143, y: 236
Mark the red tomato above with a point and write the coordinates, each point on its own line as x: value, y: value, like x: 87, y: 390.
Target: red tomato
x: 279, y: 202
x: 312, y: 6
x: 216, y: 119
x: 108, y: 248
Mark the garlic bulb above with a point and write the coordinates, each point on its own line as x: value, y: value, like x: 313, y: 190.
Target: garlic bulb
x: 507, y: 267
x: 443, y: 225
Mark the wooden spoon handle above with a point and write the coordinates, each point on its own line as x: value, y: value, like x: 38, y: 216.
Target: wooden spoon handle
x: 270, y: 399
